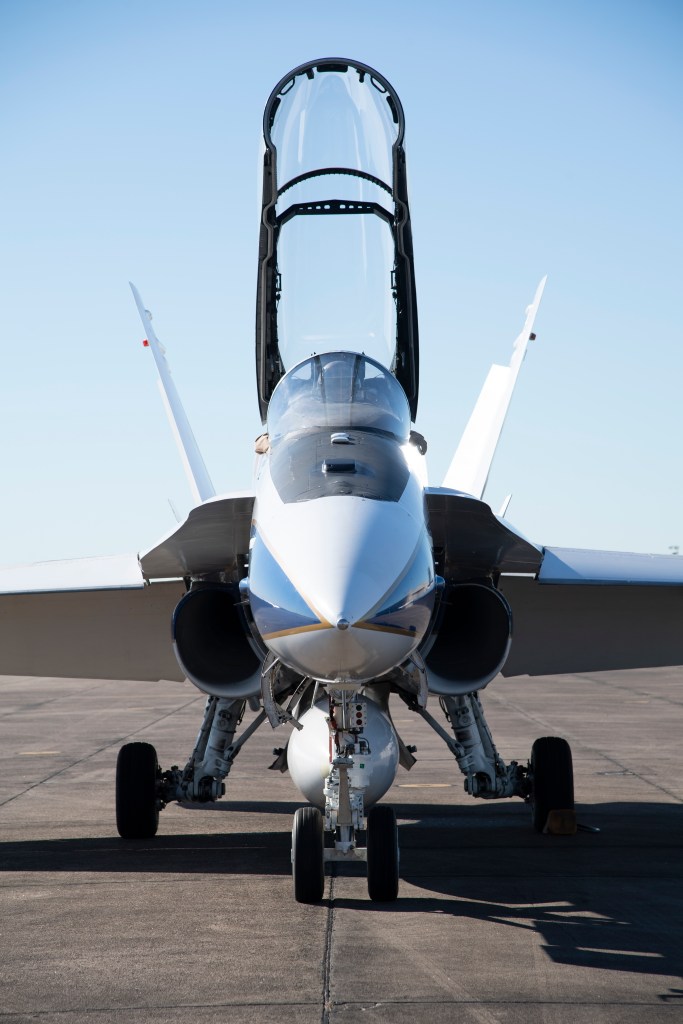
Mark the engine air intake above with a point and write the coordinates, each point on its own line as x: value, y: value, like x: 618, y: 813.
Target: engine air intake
x: 210, y: 643
x: 473, y: 639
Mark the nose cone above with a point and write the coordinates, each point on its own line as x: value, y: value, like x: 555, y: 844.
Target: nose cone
x: 348, y: 553
x: 359, y: 587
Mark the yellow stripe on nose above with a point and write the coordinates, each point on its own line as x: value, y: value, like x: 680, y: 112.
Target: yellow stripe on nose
x: 385, y: 629
x: 297, y: 629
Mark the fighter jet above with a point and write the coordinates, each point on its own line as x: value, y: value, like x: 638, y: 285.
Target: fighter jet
x: 344, y: 583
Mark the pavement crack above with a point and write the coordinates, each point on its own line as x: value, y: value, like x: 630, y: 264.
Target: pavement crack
x: 93, y: 753
x: 575, y: 738
x: 27, y: 708
x: 327, y: 950
x: 610, y: 684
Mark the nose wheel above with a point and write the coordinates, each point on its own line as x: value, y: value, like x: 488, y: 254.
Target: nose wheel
x: 382, y: 854
x: 308, y: 866
x: 309, y: 855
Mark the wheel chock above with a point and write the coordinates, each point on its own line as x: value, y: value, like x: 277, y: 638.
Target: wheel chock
x: 561, y: 823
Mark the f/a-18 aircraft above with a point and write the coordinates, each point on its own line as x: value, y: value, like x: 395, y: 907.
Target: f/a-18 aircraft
x: 344, y: 582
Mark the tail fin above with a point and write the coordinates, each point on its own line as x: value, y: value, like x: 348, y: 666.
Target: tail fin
x: 195, y: 469
x: 471, y: 465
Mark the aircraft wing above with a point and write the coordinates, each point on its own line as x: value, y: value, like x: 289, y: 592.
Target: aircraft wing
x: 99, y: 617
x: 591, y: 611
x: 573, y: 610
x: 581, y: 627
x: 109, y: 572
x: 103, y: 633
x: 580, y: 566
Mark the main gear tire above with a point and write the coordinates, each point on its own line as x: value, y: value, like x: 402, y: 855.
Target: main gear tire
x: 552, y: 775
x: 137, y: 803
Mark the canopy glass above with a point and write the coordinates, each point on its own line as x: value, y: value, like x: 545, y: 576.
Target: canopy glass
x: 339, y: 390
x: 335, y: 263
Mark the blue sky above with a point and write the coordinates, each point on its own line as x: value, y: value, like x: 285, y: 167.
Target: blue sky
x: 540, y: 137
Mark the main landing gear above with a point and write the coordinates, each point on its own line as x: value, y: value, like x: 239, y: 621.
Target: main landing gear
x: 546, y: 782
x: 143, y: 789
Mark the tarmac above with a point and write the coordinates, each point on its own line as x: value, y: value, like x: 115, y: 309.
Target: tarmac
x: 494, y: 923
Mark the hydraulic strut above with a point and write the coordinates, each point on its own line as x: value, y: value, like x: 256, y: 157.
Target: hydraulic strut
x: 486, y: 774
x: 214, y: 752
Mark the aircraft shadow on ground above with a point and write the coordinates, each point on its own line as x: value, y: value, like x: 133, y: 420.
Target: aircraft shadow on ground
x: 259, y: 853
x: 611, y: 900
x: 248, y: 806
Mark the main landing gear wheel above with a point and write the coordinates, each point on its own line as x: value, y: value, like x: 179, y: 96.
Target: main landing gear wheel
x: 382, y: 854
x: 308, y: 866
x: 552, y: 775
x: 137, y: 810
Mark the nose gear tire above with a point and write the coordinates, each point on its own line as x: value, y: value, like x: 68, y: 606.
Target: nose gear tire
x: 382, y: 854
x: 308, y: 867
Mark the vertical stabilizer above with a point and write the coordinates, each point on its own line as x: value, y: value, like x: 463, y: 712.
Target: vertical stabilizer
x: 195, y: 469
x: 471, y: 465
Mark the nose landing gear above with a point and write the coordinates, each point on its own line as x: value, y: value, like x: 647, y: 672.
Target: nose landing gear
x: 309, y: 854
x: 349, y: 779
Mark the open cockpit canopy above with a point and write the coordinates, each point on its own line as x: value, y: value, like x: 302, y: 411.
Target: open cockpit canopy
x: 335, y: 252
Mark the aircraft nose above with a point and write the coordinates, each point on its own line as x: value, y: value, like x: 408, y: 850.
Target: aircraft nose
x: 349, y: 555
x: 354, y: 594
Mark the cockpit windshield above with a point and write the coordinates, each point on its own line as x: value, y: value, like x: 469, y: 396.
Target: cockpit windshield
x: 335, y: 261
x: 339, y: 391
